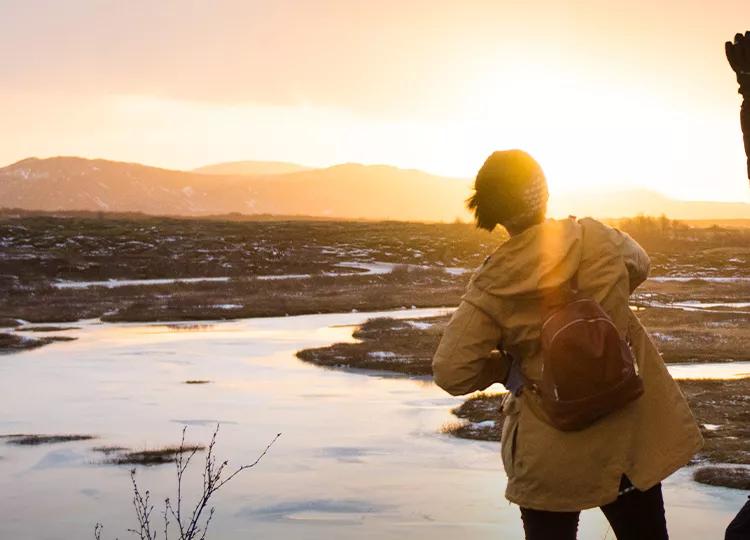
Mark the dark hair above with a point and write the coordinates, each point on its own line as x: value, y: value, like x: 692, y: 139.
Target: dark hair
x: 499, y: 190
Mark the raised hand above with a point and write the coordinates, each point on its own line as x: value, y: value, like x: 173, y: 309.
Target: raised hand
x: 738, y: 54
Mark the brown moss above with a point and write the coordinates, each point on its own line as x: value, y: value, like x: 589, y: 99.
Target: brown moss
x: 386, y: 344
x: 148, y: 248
x: 35, y: 439
x: 481, y: 417
x: 156, y: 456
x: 10, y: 343
x: 731, y: 477
x: 726, y: 404
x: 698, y: 336
x: 107, y: 450
x: 46, y: 328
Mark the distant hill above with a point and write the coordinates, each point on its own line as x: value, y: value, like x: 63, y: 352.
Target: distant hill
x: 343, y: 191
x: 351, y: 191
x: 252, y: 168
x: 70, y: 183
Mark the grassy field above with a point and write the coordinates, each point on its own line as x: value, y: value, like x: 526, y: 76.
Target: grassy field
x: 40, y: 254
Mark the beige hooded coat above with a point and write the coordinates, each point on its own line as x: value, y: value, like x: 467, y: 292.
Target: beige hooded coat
x: 550, y: 469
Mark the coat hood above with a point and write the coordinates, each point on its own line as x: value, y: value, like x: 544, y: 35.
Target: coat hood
x: 543, y: 256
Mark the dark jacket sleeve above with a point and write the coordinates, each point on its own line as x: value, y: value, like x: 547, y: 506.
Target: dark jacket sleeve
x: 635, y: 257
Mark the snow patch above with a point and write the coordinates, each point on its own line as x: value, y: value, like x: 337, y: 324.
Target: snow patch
x: 712, y: 279
x: 284, y: 276
x: 664, y: 337
x: 112, y: 283
x: 382, y: 354
x: 419, y: 325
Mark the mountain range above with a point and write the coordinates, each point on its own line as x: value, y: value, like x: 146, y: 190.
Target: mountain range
x: 342, y: 191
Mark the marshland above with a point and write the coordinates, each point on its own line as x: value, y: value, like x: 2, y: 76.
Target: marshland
x: 324, y: 331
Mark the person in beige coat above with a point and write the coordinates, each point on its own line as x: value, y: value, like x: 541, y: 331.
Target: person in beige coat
x: 617, y: 463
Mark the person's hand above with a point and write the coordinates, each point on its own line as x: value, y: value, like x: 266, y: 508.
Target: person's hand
x: 738, y: 54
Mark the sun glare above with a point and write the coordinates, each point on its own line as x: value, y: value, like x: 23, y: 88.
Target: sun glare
x: 589, y: 133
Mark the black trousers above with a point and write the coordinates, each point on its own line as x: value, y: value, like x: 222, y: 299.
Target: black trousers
x: 739, y: 529
x: 635, y: 515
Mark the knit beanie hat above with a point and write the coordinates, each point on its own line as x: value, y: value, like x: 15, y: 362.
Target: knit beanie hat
x: 510, y: 189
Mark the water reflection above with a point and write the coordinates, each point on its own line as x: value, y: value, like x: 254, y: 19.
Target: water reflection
x: 722, y: 370
x: 361, y: 456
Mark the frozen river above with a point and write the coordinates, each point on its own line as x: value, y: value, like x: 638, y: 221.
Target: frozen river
x: 361, y: 455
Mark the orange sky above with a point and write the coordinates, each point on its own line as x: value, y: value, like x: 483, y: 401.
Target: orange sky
x: 603, y: 93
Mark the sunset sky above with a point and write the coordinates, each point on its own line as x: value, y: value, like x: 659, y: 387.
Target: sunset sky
x: 603, y: 93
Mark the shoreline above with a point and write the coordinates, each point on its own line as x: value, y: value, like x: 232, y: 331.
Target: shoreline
x: 341, y: 429
x: 404, y: 348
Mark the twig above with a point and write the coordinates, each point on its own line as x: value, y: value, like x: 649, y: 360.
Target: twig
x: 197, y: 527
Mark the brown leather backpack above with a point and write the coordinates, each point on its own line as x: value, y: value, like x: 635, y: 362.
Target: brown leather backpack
x: 588, y: 369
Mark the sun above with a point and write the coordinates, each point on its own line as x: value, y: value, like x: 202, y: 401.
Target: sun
x: 590, y: 133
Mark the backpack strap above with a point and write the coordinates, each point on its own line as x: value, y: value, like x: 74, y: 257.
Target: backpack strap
x: 573, y: 282
x: 561, y: 296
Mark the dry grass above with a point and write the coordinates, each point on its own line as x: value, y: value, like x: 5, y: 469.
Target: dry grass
x: 481, y: 418
x: 6, y: 322
x: 154, y: 456
x: 386, y: 344
x: 731, y: 477
x: 281, y: 298
x: 42, y: 249
x: 23, y: 439
x: 46, y: 328
x: 698, y: 336
x: 481, y: 406
x: 469, y: 430
x: 107, y: 450
x: 10, y: 343
x: 726, y: 404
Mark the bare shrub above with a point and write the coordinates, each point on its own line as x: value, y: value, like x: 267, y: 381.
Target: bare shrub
x: 184, y: 523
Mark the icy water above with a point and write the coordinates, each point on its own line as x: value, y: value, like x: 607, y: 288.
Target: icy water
x: 710, y: 279
x: 364, y: 269
x: 114, y: 283
x: 361, y: 455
